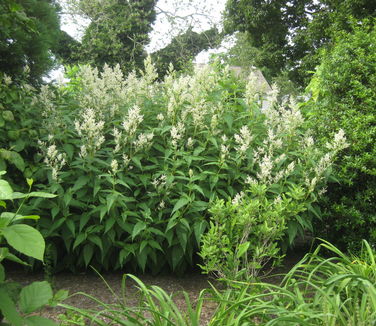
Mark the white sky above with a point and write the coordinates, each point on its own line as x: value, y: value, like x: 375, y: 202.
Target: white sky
x: 201, y: 14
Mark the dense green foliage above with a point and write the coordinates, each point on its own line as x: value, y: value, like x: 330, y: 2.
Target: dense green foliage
x: 344, y: 95
x: 18, y: 132
x: 136, y: 162
x: 29, y: 32
x: 117, y: 34
x: 286, y: 35
x: 183, y: 48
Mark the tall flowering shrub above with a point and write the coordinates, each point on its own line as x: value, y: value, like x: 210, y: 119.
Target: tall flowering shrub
x: 136, y: 162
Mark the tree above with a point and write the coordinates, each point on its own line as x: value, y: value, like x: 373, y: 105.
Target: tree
x: 288, y: 34
x: 183, y: 48
x: 29, y: 33
x: 119, y: 32
x: 344, y: 96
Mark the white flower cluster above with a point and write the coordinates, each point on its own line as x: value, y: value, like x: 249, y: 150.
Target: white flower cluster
x: 103, y: 91
x: 177, y: 133
x: 243, y: 139
x: 91, y: 132
x: 132, y: 120
x: 52, y: 158
x: 114, y: 166
x: 7, y: 80
x: 339, y: 142
x: 238, y: 198
x: 159, y: 182
x: 143, y: 140
x: 224, y: 148
x: 266, y: 167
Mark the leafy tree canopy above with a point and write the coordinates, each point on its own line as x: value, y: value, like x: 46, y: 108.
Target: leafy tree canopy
x: 287, y: 34
x: 183, y: 48
x: 29, y: 33
x: 119, y: 31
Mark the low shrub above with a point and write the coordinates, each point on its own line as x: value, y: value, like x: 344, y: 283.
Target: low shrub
x: 135, y: 162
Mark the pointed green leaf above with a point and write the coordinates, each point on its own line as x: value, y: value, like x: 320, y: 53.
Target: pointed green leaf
x: 80, y: 182
x: 140, y: 225
x: 179, y: 204
x: 80, y: 238
x: 242, y: 249
x: 26, y: 240
x: 88, y: 253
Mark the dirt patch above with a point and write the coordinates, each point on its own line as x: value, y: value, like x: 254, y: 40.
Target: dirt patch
x: 92, y: 284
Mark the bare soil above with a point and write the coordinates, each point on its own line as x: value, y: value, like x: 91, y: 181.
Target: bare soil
x: 92, y: 284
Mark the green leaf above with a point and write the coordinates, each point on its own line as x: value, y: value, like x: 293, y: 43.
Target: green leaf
x: 12, y: 216
x: 292, y: 230
x: 69, y: 149
x: 110, y: 199
x: 2, y: 273
x: 5, y: 190
x: 88, y: 253
x: 96, y: 240
x: 141, y: 259
x: 179, y: 204
x: 140, y: 225
x: 144, y: 243
x: 80, y: 182
x: 39, y: 321
x: 9, y: 310
x: 177, y: 255
x: 5, y: 254
x: 59, y: 296
x: 154, y: 244
x: 35, y: 296
x: 137, y: 162
x: 242, y: 249
x: 70, y: 224
x: 26, y: 240
x: 17, y: 160
x: 182, y: 236
x: 199, y: 229
x: 41, y: 194
x: 80, y: 238
x: 18, y: 195
x: 109, y: 224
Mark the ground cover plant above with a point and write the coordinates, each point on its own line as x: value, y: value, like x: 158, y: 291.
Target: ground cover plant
x: 135, y: 163
x: 339, y: 290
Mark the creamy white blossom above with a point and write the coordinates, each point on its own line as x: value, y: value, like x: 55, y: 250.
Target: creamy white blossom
x: 90, y: 130
x: 143, y: 140
x: 243, y: 139
x: 238, y: 198
x: 132, y: 120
